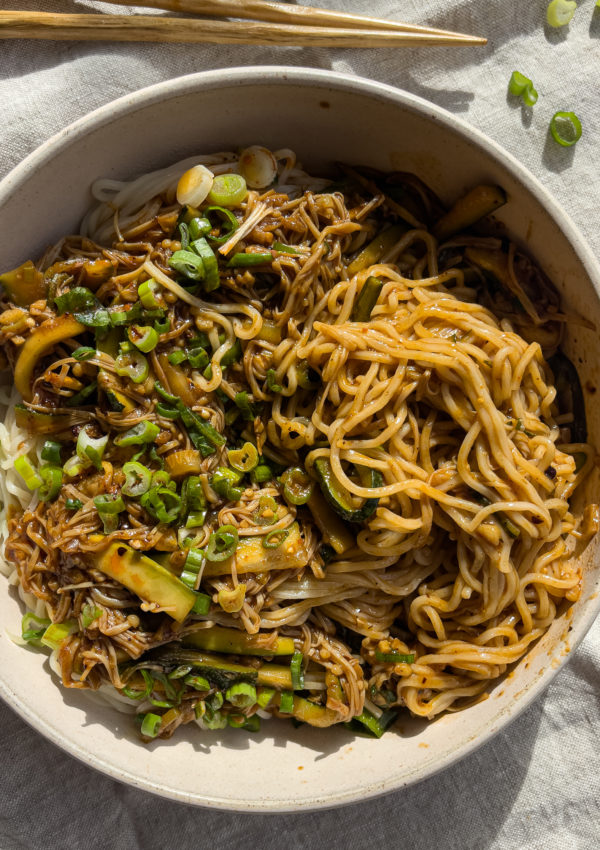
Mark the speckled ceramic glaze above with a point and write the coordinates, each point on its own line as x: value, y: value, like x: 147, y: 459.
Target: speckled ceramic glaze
x: 324, y: 117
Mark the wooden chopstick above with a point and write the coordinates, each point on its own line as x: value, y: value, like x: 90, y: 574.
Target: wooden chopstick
x: 82, y: 27
x: 281, y: 13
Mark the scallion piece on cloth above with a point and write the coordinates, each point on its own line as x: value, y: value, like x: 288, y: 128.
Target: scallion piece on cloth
x: 565, y: 128
x: 560, y: 12
x: 521, y: 86
x: 28, y: 472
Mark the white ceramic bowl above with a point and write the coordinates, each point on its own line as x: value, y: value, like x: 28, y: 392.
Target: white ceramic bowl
x: 324, y: 117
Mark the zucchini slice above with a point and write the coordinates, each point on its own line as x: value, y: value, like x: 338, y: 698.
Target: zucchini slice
x: 475, y: 205
x: 343, y: 502
x: 236, y: 642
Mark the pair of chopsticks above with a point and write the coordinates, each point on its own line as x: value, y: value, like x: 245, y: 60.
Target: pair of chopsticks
x: 264, y: 23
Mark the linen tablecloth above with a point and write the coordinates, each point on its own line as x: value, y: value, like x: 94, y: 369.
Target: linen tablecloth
x: 534, y: 786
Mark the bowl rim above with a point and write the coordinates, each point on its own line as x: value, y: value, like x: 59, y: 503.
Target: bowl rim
x: 279, y: 75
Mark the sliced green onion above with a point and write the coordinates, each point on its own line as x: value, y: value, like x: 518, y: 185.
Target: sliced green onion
x: 244, y: 260
x: 89, y: 613
x: 137, y: 479
x: 252, y: 724
x: 147, y: 292
x: 241, y: 694
x: 228, y: 224
x: 275, y: 538
x: 143, y: 432
x: 109, y: 503
x: 198, y: 358
x: 187, y: 263
x: 266, y: 513
x: 75, y: 466
x: 232, y: 355
x: 262, y: 473
x: 57, y: 632
x: 272, y: 384
x: 222, y: 543
x: 244, y: 459
x: 376, y: 725
x: 198, y: 227
x: 33, y: 635
x: 84, y: 352
x: 132, y: 365
x: 211, y: 267
x: 91, y: 448
x: 124, y: 314
x: 286, y: 702
x: 150, y: 724
x: 560, y: 12
x: 176, y: 357
x: 143, y: 337
x: 285, y: 249
x: 52, y: 483
x: 198, y: 683
x: 243, y: 402
x: 297, y: 486
x: 161, y: 478
x: 228, y: 190
x: 297, y: 671
x: 264, y: 696
x: 162, y: 503
x: 195, y: 519
x: 73, y: 504
x: 202, y: 604
x: 135, y: 693
x: 162, y: 327
x: 51, y: 452
x: 394, y: 657
x: 216, y: 721
x: 565, y: 128
x: 28, y: 472
x: 166, y: 412
x: 223, y: 482
x: 521, y: 86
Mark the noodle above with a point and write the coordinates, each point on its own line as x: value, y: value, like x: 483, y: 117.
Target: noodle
x: 350, y: 468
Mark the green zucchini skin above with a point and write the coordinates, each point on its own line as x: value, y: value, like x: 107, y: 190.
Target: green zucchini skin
x: 334, y: 493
